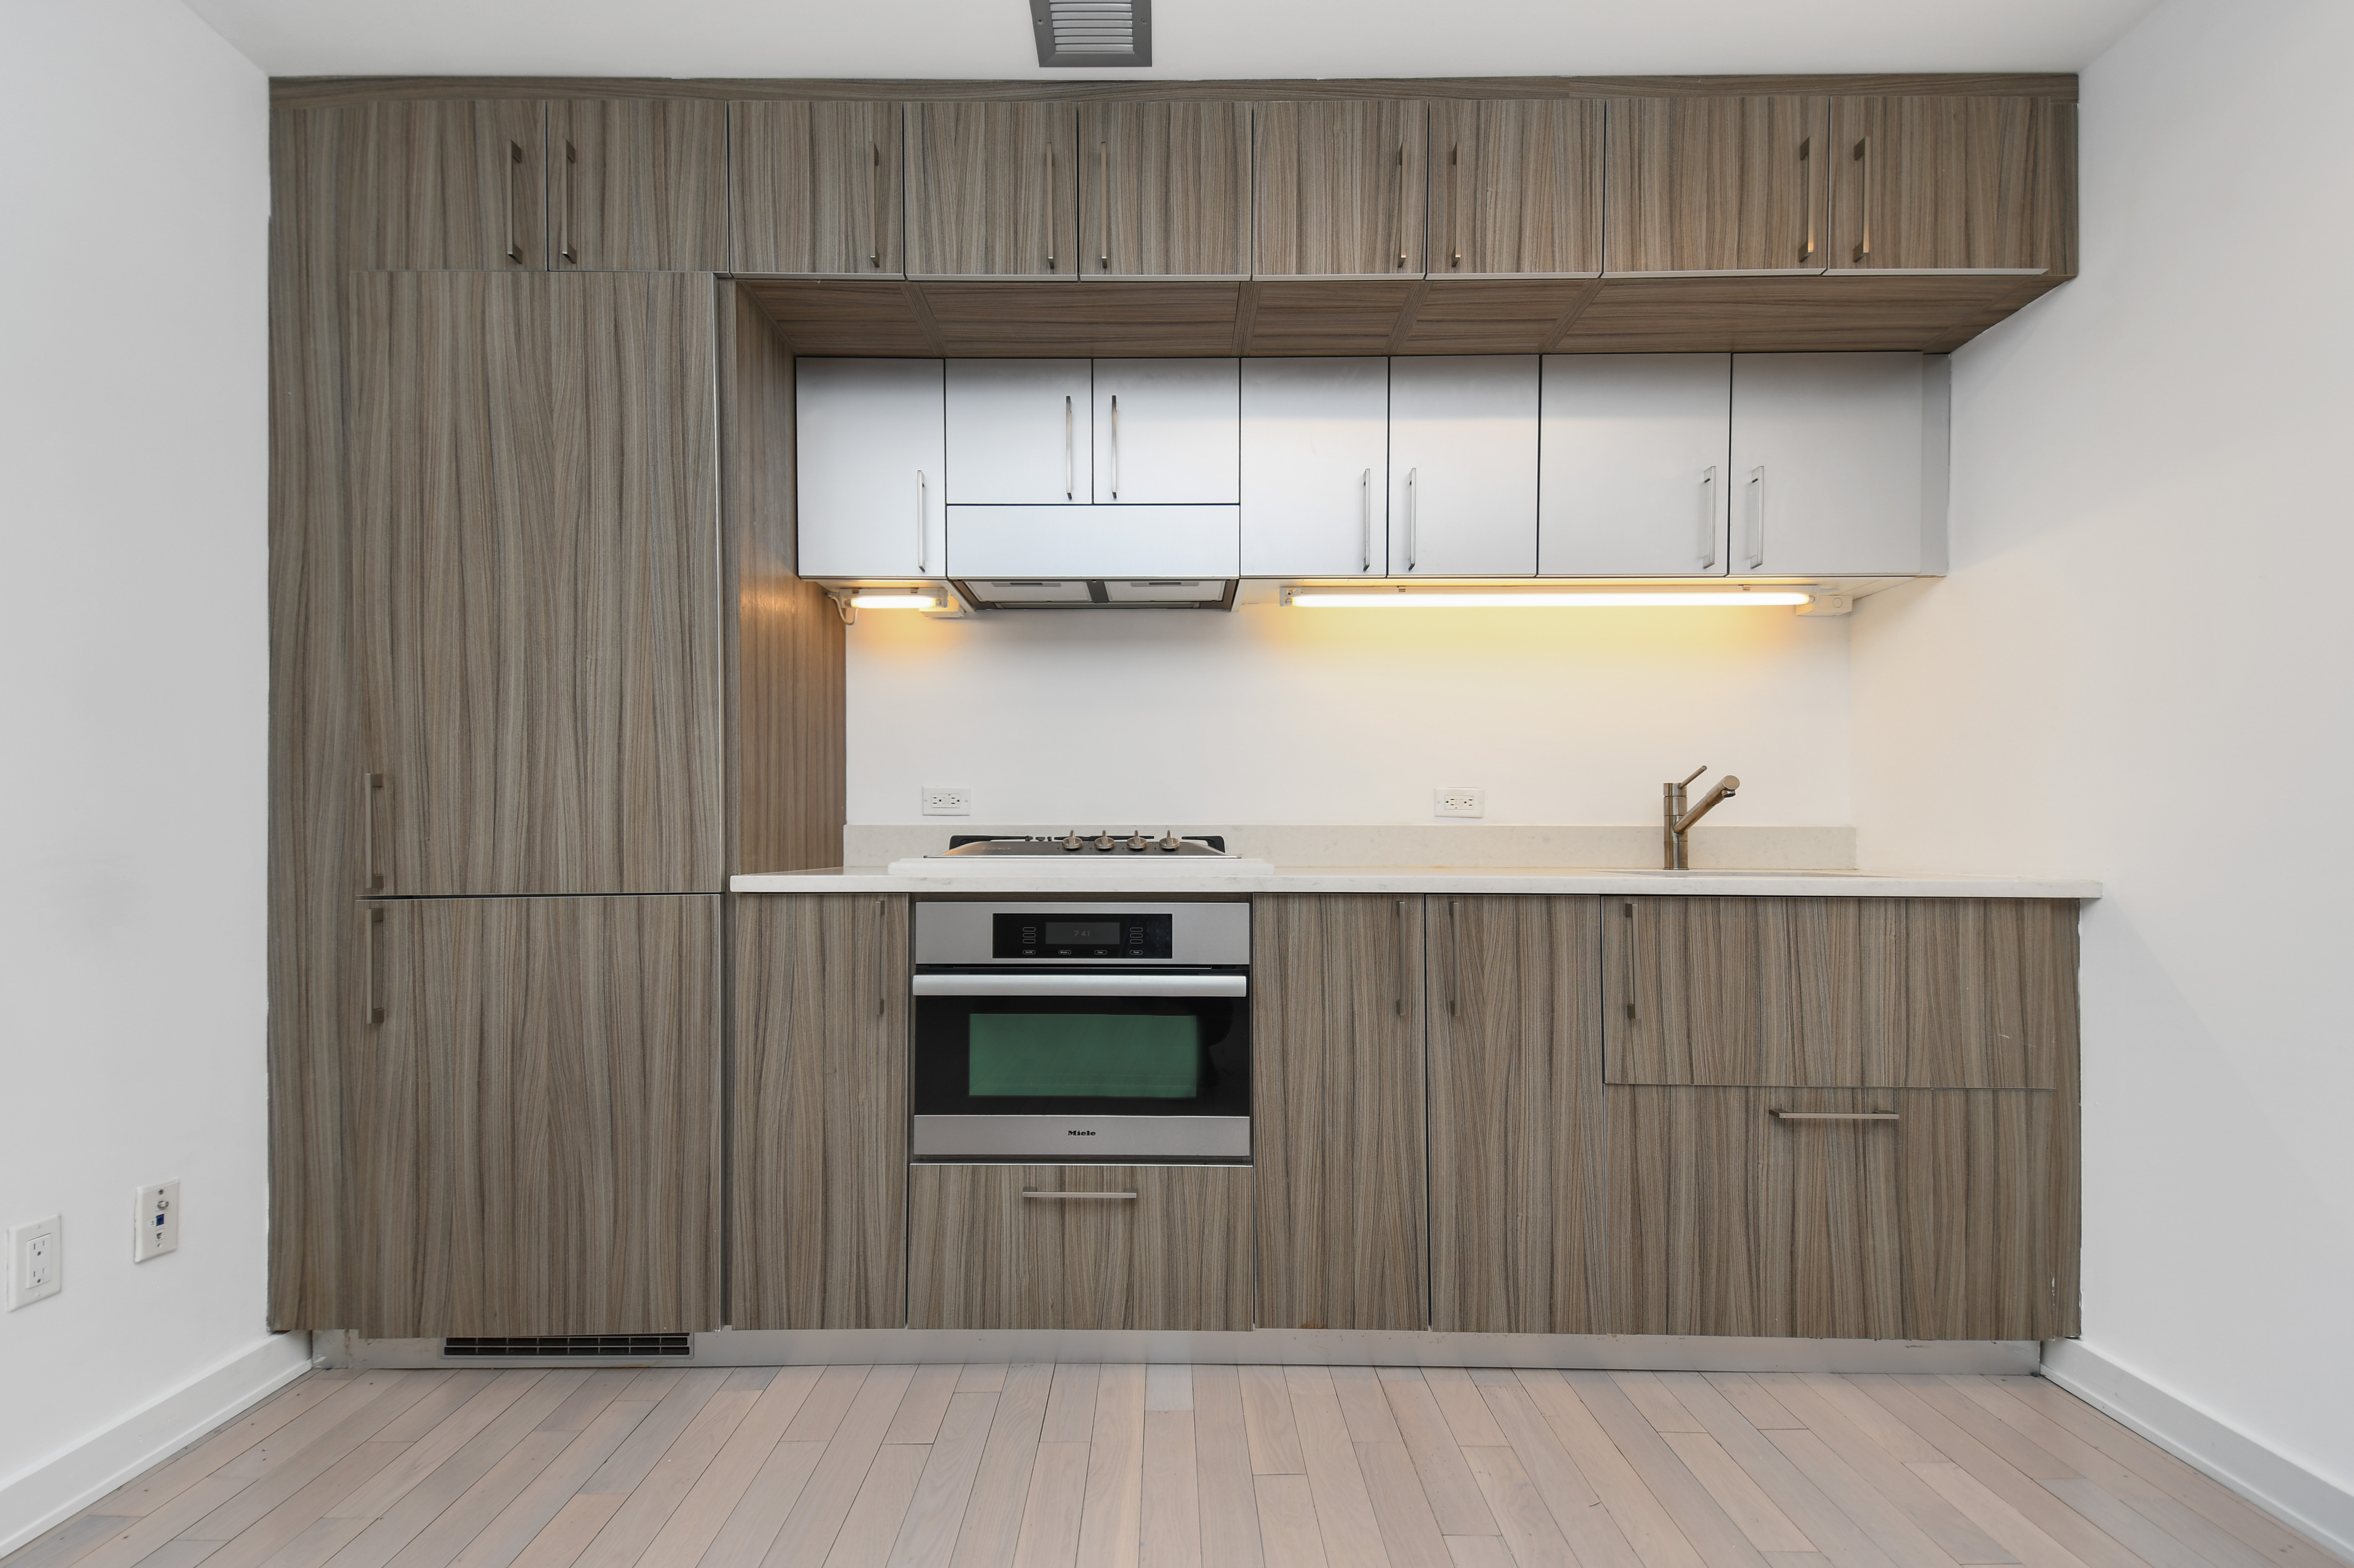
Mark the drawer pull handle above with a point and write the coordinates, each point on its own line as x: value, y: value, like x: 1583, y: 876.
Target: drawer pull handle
x: 1081, y: 1197
x: 1836, y: 1116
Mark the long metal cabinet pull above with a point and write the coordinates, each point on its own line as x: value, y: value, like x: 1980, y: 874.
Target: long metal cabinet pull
x: 1864, y: 156
x: 1708, y: 516
x: 514, y: 240
x: 1047, y: 154
x: 882, y: 985
x: 1454, y: 956
x: 368, y: 801
x: 1365, y: 520
x: 1401, y: 193
x: 1411, y: 486
x: 1405, y: 947
x: 1807, y: 195
x: 1758, y: 517
x: 1836, y: 1116
x: 875, y: 205
x: 571, y: 173
x: 375, y: 976
x: 1081, y: 1197
x: 1628, y: 910
x: 923, y: 521
x: 1454, y: 217
x: 1115, y: 446
x: 1103, y: 178
x: 1070, y: 462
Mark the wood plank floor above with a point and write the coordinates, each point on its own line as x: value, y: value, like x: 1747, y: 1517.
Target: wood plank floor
x: 1026, y: 1466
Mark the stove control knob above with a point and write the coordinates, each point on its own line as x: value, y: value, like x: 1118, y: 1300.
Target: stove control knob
x: 1136, y: 841
x: 1105, y: 842
x: 1171, y: 844
x: 1072, y: 841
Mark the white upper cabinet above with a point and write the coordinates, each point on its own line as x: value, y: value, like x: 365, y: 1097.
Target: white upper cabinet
x: 1631, y: 480
x: 1315, y: 454
x: 869, y: 448
x: 1019, y: 432
x: 1838, y: 464
x: 1463, y: 466
x: 1166, y: 431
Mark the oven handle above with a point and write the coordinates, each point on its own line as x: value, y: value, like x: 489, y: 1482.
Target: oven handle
x: 1020, y: 984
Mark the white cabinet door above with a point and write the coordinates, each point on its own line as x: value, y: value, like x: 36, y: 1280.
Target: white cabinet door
x: 1632, y: 464
x: 1166, y: 431
x: 1838, y: 464
x: 1316, y: 455
x: 1463, y: 466
x: 868, y: 448
x: 1018, y: 431
x: 1063, y: 542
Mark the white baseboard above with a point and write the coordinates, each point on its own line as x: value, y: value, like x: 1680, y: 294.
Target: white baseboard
x: 49, y: 1493
x: 2277, y: 1485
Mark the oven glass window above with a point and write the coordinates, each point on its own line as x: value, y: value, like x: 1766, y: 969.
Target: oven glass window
x: 1094, y: 1056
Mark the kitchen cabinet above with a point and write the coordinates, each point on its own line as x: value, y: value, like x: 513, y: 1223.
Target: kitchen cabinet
x: 1315, y: 467
x: 1079, y: 1246
x: 1166, y: 430
x: 533, y: 1106
x: 1021, y: 432
x: 1165, y: 190
x: 1952, y: 184
x: 1340, y: 188
x: 819, y: 1140
x: 1516, y: 1124
x: 534, y: 517
x: 1339, y: 1129
x: 637, y: 184
x: 448, y: 186
x: 1632, y: 464
x: 1838, y: 464
x: 1735, y: 185
x: 869, y: 438
x: 1516, y: 188
x: 816, y: 188
x: 1083, y: 542
x: 992, y: 191
x: 1463, y: 465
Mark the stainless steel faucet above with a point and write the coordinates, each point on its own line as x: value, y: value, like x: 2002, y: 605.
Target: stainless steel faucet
x: 1680, y: 821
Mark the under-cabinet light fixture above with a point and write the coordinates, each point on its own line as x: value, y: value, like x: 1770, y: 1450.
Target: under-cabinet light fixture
x: 1596, y: 598
x: 895, y: 602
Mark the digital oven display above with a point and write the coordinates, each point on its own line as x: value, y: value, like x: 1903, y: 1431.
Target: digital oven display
x: 1081, y: 936
x: 1082, y: 933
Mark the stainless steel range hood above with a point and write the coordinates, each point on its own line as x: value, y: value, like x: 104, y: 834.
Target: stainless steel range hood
x: 1098, y: 593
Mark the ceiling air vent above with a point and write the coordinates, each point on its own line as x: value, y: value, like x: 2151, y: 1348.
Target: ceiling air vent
x: 1093, y: 31
x: 633, y: 1347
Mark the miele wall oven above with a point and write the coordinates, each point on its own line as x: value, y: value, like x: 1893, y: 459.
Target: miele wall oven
x: 1079, y: 1032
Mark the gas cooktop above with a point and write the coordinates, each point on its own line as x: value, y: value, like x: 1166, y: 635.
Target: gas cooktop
x: 973, y: 846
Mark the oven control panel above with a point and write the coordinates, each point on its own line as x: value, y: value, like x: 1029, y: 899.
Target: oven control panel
x: 1066, y: 935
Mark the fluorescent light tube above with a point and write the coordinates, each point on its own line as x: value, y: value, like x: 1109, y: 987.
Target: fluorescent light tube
x: 894, y: 601
x: 1600, y: 599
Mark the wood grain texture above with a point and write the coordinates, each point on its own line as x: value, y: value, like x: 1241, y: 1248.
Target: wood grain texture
x: 1925, y: 314
x: 1339, y: 1125
x: 1916, y: 993
x: 535, y: 1142
x: 458, y: 185
x: 536, y: 493
x: 1719, y: 185
x: 1975, y: 1175
x: 992, y: 191
x: 1946, y: 183
x: 817, y: 189
x: 784, y: 666
x: 1516, y: 188
x: 1165, y: 190
x: 637, y: 184
x: 981, y: 1255
x: 1341, y: 188
x: 819, y: 1146
x: 1516, y: 1201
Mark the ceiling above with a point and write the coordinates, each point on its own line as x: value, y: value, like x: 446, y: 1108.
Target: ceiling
x: 1192, y: 39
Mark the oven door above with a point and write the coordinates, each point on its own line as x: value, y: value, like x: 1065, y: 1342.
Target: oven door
x: 1082, y: 1068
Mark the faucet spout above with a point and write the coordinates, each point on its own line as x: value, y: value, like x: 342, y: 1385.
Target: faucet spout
x: 1726, y: 787
x: 1677, y: 822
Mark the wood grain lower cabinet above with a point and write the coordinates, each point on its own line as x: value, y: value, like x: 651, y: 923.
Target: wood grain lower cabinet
x: 533, y: 1106
x: 1337, y: 1070
x: 637, y: 184
x: 819, y: 1146
x: 1516, y: 1129
x: 1079, y: 1246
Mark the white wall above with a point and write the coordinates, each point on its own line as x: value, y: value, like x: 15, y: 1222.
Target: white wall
x: 1269, y: 715
x: 133, y: 683
x: 2139, y: 671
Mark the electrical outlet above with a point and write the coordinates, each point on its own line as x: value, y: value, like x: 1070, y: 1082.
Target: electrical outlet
x: 158, y: 1221
x: 947, y: 801
x: 37, y: 1261
x: 1461, y: 802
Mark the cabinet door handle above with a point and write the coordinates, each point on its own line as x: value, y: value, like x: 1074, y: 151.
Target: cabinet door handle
x: 1365, y: 520
x: 375, y: 978
x: 1405, y: 982
x: 1454, y: 215
x: 515, y: 172
x: 1401, y: 207
x: 1412, y: 485
x: 1047, y: 154
x: 1807, y: 195
x: 1629, y: 912
x: 371, y: 871
x: 1081, y: 1197
x: 1836, y: 1116
x: 875, y: 205
x: 882, y: 981
x: 571, y: 174
x: 923, y: 521
x: 1103, y: 178
x: 1708, y: 516
x: 1864, y: 156
x: 1756, y: 556
x: 1070, y: 462
x: 1115, y: 446
x: 1454, y: 956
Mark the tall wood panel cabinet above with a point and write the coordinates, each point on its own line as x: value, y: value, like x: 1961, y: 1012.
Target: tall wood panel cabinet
x: 1341, y: 188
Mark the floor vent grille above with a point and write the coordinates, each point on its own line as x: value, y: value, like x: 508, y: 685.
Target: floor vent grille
x: 1093, y: 31
x: 631, y: 1345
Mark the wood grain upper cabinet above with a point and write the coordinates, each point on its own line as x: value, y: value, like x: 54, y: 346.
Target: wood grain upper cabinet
x: 1338, y: 1126
x: 992, y: 191
x: 1340, y: 189
x: 1631, y: 478
x: 1838, y: 464
x: 1315, y: 467
x: 1516, y: 1130
x: 1164, y: 190
x: 820, y: 1146
x: 1516, y: 188
x: 1167, y: 432
x: 447, y: 185
x: 815, y: 188
x: 533, y: 1113
x: 1463, y: 465
x: 536, y: 540
x: 637, y: 184
x: 1718, y: 184
x: 871, y: 471
x: 1952, y: 184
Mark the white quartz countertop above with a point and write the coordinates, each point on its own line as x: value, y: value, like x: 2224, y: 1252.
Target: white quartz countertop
x: 1434, y: 879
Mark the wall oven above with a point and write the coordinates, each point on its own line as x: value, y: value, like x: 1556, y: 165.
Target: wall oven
x: 1079, y: 1032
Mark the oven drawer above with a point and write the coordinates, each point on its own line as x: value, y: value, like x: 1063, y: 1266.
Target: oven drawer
x: 1079, y: 1246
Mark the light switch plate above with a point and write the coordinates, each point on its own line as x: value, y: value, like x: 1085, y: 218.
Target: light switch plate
x: 1458, y: 801
x: 37, y: 1261
x: 158, y: 1221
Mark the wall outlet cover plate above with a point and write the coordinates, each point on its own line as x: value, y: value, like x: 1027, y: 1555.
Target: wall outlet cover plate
x: 158, y: 1222
x: 1458, y: 801
x: 947, y: 801
x: 37, y: 1261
